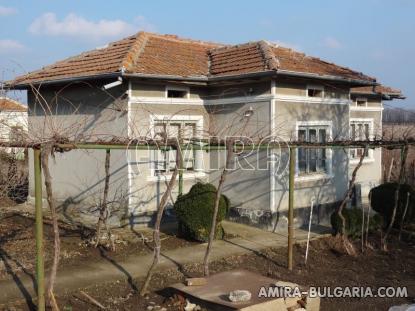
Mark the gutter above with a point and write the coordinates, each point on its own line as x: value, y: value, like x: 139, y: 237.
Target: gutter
x: 65, y: 80
x: 205, y: 79
x: 326, y: 77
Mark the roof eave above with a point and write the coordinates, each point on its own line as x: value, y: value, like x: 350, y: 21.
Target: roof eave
x: 358, y: 82
x: 258, y: 74
x: 22, y: 86
x: 385, y: 96
x: 166, y: 77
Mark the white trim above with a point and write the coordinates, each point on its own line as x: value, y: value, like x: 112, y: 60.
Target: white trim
x: 313, y: 177
x: 314, y: 87
x: 177, y: 88
x: 242, y: 99
x: 199, y: 128
x: 370, y: 158
x: 186, y: 176
x: 322, y: 123
x: 313, y: 100
x: 374, y: 109
x: 273, y: 122
x: 360, y: 99
x: 129, y: 124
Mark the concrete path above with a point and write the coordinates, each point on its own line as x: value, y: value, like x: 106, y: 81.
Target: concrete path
x: 248, y: 240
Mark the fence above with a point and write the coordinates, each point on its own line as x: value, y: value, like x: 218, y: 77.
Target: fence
x: 38, y: 165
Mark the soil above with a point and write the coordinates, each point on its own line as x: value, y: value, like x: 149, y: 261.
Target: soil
x: 328, y: 265
x: 17, y: 251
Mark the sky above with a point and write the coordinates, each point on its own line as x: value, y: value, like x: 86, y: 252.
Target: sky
x: 376, y: 37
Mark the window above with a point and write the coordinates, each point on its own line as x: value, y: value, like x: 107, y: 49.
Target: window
x: 312, y: 160
x: 165, y: 160
x: 315, y: 91
x: 360, y: 130
x: 176, y: 94
x: 361, y: 102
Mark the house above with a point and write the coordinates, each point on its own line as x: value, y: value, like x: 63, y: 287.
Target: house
x: 150, y: 83
x: 13, y: 123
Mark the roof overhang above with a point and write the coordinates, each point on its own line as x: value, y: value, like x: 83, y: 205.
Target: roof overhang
x: 25, y: 86
x: 198, y: 79
x: 356, y: 82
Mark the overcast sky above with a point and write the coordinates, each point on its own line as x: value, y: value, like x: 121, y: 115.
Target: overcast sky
x: 376, y: 37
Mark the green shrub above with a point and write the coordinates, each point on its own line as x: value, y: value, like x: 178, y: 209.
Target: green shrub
x: 383, y: 200
x: 353, y: 218
x: 194, y: 212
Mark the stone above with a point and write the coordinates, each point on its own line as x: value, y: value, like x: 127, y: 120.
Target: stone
x: 196, y: 281
x: 239, y: 295
x: 274, y: 305
x: 286, y: 284
x: 405, y: 307
x: 190, y: 306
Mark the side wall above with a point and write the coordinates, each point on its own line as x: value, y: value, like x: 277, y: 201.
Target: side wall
x: 82, y: 112
x: 370, y: 173
x: 149, y: 101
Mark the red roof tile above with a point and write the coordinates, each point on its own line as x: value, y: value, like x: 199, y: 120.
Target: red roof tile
x: 8, y: 104
x: 154, y: 54
x: 378, y: 89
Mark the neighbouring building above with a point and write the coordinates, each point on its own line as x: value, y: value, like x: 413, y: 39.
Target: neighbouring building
x: 13, y: 123
x: 150, y: 83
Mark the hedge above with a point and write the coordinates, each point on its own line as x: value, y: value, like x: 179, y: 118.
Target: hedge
x: 353, y: 218
x: 383, y: 200
x: 194, y: 212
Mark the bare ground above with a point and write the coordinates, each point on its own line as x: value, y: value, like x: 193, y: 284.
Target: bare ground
x: 327, y: 266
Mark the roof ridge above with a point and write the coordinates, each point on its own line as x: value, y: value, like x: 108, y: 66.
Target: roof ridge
x: 271, y: 61
x: 172, y: 37
x: 130, y: 59
x: 231, y: 46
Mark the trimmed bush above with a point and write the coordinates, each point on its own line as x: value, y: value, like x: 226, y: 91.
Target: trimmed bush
x: 194, y: 212
x: 353, y: 218
x: 383, y: 200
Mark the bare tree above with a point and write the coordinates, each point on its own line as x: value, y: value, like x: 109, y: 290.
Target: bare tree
x: 160, y: 211
x: 404, y: 153
x: 348, y: 246
x: 104, y: 211
x: 229, y: 156
x: 47, y: 150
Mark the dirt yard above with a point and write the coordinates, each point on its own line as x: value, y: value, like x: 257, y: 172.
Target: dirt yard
x: 17, y: 250
x: 327, y: 266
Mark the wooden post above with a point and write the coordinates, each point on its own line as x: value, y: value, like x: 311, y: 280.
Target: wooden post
x: 291, y: 208
x: 40, y: 269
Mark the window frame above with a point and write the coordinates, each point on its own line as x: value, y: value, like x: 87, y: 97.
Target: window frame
x: 315, y: 87
x: 328, y: 173
x: 196, y: 172
x: 177, y: 88
x: 363, y: 121
x: 360, y: 99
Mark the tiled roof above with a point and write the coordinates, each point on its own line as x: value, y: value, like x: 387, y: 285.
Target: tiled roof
x: 378, y: 89
x: 237, y: 59
x: 291, y: 60
x: 168, y: 55
x: 8, y: 104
